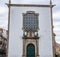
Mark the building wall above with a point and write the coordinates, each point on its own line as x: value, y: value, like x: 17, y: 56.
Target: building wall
x: 15, y: 31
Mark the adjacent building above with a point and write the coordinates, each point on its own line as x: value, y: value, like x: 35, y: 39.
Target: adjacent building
x: 57, y: 50
x: 3, y: 43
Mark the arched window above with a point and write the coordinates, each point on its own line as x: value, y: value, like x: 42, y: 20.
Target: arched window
x: 30, y: 51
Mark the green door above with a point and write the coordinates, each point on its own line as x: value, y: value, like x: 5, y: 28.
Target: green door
x: 30, y: 50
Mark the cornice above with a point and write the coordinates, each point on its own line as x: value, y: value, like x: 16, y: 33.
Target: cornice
x: 28, y: 5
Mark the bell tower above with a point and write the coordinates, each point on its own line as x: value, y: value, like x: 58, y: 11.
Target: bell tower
x: 30, y: 34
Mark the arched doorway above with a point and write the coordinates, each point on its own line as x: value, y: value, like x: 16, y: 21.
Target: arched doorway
x: 30, y: 51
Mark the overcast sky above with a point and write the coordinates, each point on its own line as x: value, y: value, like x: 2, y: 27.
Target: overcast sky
x: 56, y: 13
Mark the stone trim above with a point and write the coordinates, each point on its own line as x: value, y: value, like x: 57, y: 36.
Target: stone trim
x: 8, y: 28
x: 53, y: 40
x: 28, y: 5
x: 26, y: 42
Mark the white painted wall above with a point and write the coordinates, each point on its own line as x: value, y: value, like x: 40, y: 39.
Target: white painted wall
x: 16, y: 32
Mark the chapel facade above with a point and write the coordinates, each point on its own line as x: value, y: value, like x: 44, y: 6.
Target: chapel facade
x: 30, y: 30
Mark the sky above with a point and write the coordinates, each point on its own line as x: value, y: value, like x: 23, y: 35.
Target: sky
x: 56, y: 13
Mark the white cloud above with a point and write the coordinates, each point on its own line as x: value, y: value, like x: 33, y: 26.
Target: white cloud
x: 57, y: 39
x: 3, y: 24
x: 57, y: 29
x: 56, y: 15
x: 3, y: 10
x: 56, y: 2
x: 56, y: 23
x: 56, y: 26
